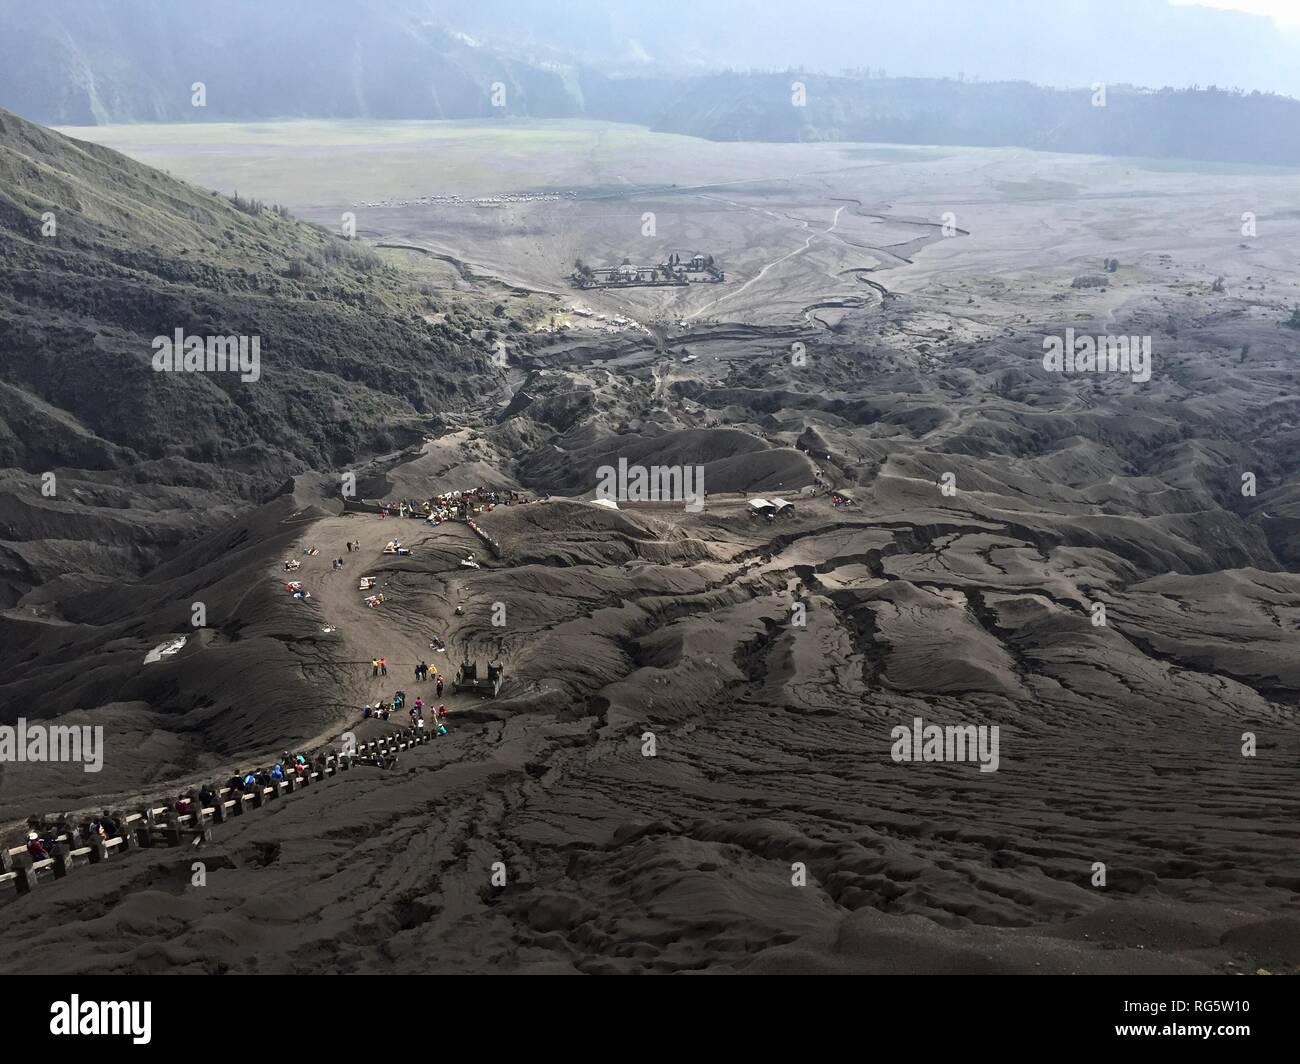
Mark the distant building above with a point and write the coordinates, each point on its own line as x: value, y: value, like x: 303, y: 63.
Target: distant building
x: 770, y: 508
x: 671, y: 271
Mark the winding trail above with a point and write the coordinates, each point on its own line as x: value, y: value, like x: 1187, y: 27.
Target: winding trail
x: 775, y: 262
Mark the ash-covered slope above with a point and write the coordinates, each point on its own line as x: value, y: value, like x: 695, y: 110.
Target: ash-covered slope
x: 773, y: 829
x: 129, y: 494
x: 100, y: 255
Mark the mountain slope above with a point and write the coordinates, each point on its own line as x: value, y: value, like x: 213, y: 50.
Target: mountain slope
x: 99, y: 255
x: 118, y: 462
x: 129, y: 494
x: 93, y: 62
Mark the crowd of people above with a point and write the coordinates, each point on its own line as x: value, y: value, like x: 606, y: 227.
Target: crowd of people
x: 451, y: 505
x: 383, y: 710
x: 289, y: 764
x: 43, y: 841
x: 44, y: 838
x: 424, y: 672
x: 41, y: 846
x: 478, y: 531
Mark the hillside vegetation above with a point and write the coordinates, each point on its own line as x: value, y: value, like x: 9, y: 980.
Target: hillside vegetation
x: 100, y: 254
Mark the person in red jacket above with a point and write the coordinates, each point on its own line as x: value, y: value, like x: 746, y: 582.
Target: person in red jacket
x: 36, y: 848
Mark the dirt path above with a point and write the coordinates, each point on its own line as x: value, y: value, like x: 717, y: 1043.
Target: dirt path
x: 775, y: 262
x: 420, y: 594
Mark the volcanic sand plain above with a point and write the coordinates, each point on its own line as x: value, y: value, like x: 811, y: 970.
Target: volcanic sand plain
x: 1121, y: 743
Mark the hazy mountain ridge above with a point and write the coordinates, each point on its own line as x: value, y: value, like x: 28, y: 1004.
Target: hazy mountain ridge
x: 1208, y: 124
x: 95, y: 63
x: 100, y: 63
